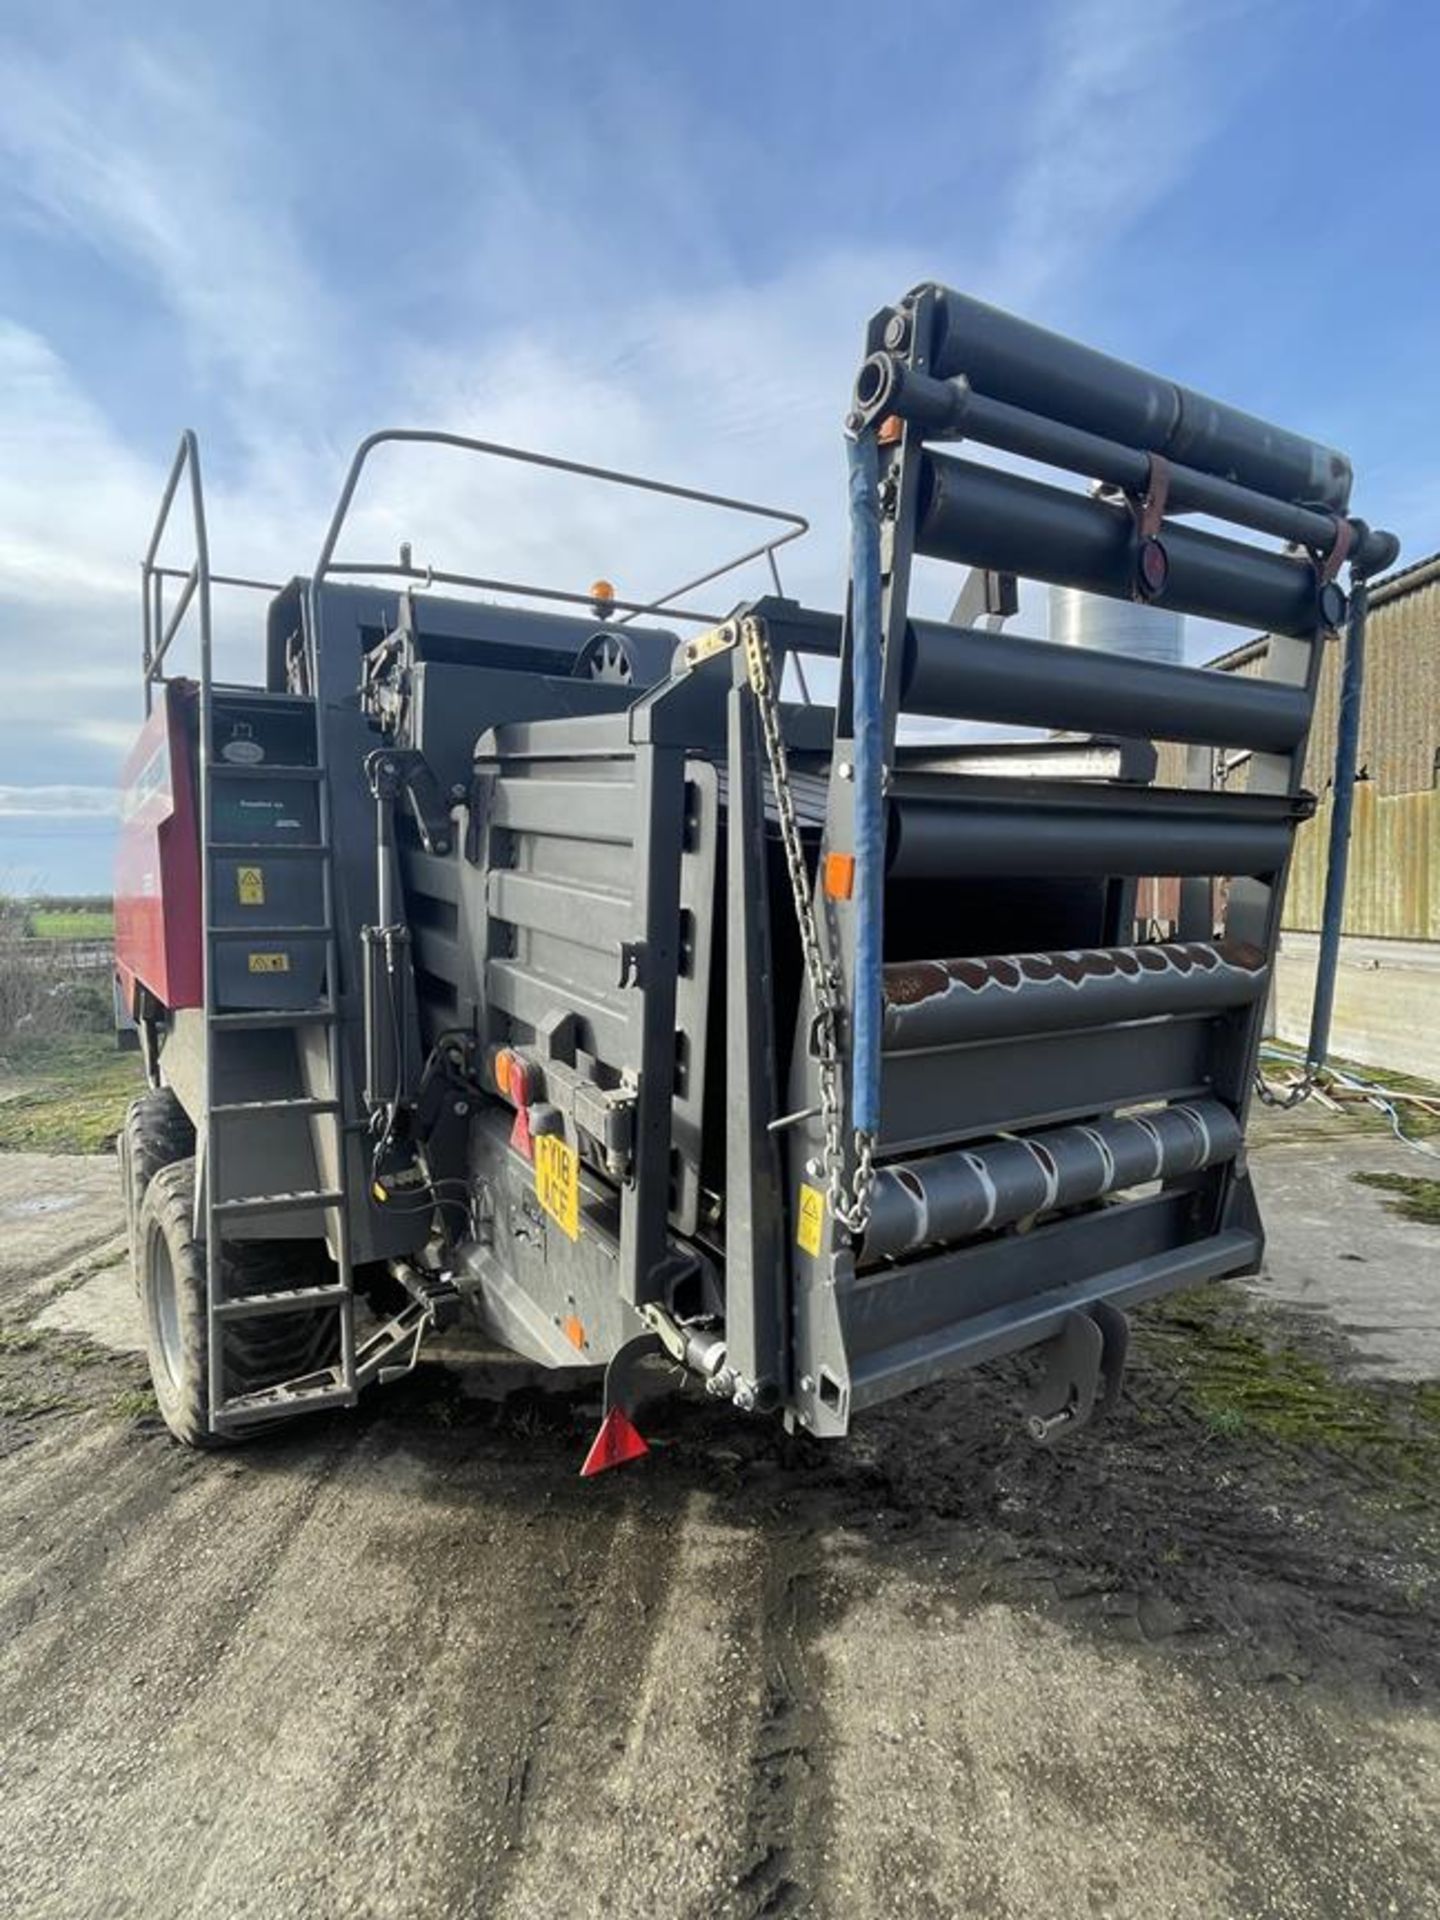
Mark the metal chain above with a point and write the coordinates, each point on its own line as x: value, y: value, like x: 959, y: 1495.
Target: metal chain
x: 851, y: 1210
x: 1300, y: 1090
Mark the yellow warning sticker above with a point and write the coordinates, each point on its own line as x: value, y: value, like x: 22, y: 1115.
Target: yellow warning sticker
x: 250, y: 886
x: 810, y: 1222
x: 557, y: 1181
x: 269, y: 963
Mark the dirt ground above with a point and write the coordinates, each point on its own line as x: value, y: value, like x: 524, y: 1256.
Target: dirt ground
x: 405, y: 1663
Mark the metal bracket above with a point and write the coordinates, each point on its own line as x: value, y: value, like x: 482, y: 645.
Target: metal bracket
x: 1329, y: 563
x: 1084, y: 1368
x: 624, y: 1373
x: 403, y: 773
x: 1152, y: 563
x: 722, y: 639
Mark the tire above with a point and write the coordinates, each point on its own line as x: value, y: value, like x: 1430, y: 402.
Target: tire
x: 155, y: 1134
x: 261, y: 1352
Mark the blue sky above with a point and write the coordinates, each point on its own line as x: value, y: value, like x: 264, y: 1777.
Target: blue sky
x: 642, y: 233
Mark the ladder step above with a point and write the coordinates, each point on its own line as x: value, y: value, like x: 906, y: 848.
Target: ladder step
x: 288, y: 1300
x: 257, y: 1203
x: 300, y: 1103
x: 267, y: 770
x: 255, y: 1018
x: 235, y: 693
x: 245, y: 1407
x: 270, y: 933
x: 284, y: 849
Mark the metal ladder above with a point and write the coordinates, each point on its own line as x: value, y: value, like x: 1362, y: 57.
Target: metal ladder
x: 338, y: 1384
x: 392, y: 1347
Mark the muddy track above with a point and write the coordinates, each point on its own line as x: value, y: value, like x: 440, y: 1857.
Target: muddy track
x: 406, y: 1663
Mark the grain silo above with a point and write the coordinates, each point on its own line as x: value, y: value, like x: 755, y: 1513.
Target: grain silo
x: 1116, y: 626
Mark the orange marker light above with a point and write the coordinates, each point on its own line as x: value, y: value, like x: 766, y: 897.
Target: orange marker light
x: 889, y: 430
x: 573, y: 1331
x: 839, y: 876
x: 602, y: 598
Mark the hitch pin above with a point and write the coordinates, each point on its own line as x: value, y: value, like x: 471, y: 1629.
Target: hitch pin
x: 793, y: 1119
x: 1040, y: 1426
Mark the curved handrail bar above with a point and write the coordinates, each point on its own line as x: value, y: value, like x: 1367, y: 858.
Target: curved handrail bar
x: 197, y: 579
x: 796, y: 524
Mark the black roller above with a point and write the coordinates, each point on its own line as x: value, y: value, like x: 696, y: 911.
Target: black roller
x: 967, y: 673
x: 977, y: 839
x: 984, y: 517
x: 941, y: 1003
x: 953, y: 1196
x: 1030, y: 367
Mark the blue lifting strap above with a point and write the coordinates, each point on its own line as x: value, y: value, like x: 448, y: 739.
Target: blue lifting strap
x: 869, y: 723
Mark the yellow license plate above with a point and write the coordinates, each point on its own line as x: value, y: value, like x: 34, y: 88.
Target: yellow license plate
x: 269, y: 963
x: 557, y: 1181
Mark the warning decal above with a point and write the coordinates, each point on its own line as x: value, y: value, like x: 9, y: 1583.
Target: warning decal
x: 250, y: 886
x: 557, y: 1181
x: 269, y: 963
x: 810, y: 1219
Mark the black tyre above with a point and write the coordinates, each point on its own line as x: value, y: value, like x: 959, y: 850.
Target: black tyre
x: 155, y: 1134
x: 260, y: 1352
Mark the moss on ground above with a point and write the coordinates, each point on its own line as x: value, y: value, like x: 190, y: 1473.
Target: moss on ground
x: 50, y: 1370
x: 1235, y: 1364
x: 1414, y: 1198
x: 1356, y: 1115
x: 72, y: 1094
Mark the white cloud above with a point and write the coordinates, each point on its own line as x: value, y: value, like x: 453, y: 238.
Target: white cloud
x: 140, y: 155
x: 72, y: 499
x: 58, y: 803
x: 1124, y: 97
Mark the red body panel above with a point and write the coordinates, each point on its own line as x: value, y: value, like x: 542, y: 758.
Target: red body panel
x: 157, y: 867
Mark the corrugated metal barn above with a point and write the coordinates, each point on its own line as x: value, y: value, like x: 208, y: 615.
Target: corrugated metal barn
x: 1388, y: 1003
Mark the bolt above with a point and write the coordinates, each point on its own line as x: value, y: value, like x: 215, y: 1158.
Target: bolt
x: 844, y: 771
x: 462, y: 1107
x: 807, y: 1384
x: 814, y: 1169
x: 897, y: 331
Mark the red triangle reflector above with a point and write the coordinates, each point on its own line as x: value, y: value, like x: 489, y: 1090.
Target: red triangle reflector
x: 618, y: 1441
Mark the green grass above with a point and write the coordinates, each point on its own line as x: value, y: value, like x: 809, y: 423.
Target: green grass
x: 133, y: 1403
x: 1415, y: 1199
x: 72, y: 1093
x: 72, y: 923
x: 1241, y: 1375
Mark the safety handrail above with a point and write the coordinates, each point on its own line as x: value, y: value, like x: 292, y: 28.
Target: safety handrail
x: 795, y: 524
x: 196, y: 578
x: 159, y: 631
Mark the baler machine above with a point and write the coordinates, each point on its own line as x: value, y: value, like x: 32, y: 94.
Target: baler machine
x: 562, y: 973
